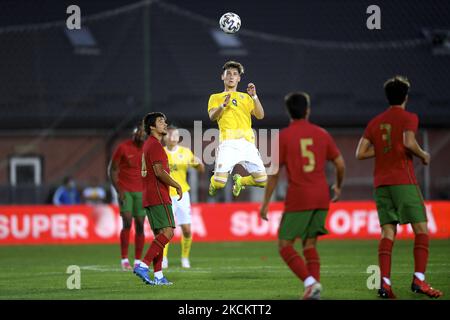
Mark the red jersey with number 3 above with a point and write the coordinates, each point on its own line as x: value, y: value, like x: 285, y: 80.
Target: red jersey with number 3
x: 393, y: 162
x: 155, y: 191
x: 128, y: 157
x: 304, y: 149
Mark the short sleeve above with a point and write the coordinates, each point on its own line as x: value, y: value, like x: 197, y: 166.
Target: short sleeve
x: 117, y: 155
x: 155, y: 154
x: 212, y: 103
x: 412, y: 123
x: 332, y: 150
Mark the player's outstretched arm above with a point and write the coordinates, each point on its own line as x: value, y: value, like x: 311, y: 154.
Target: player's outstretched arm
x: 410, y: 143
x: 272, y: 182
x: 339, y: 165
x: 258, y: 111
x: 198, y: 165
x: 162, y: 175
x: 365, y: 149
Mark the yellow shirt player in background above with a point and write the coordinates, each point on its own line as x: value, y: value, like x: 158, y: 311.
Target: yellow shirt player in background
x: 180, y: 160
x: 233, y: 111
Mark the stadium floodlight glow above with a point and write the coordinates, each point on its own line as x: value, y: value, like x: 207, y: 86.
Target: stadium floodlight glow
x: 228, y: 45
x: 439, y: 40
x: 83, y: 41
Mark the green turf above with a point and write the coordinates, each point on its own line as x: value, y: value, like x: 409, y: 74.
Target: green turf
x: 219, y: 271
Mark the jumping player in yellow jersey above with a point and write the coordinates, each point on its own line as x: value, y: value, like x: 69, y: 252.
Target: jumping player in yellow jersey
x: 233, y: 111
x: 180, y: 159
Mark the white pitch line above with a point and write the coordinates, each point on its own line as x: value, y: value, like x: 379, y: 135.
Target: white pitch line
x: 268, y: 269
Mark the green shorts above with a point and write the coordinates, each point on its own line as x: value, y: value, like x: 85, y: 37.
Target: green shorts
x: 132, y: 203
x: 400, y: 204
x: 302, y: 224
x: 160, y: 216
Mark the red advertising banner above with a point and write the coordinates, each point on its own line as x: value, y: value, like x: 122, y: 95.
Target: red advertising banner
x: 210, y: 222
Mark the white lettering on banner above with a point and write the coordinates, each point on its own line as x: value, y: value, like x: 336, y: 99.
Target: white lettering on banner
x: 147, y: 228
x: 340, y: 222
x: 259, y: 226
x: 374, y: 223
x: 244, y: 223
x: 4, y: 230
x: 239, y: 223
x: 359, y: 220
x: 105, y: 221
x: 36, y: 225
x: 16, y: 233
x: 40, y: 224
x: 78, y: 226
x: 59, y: 226
x: 276, y: 217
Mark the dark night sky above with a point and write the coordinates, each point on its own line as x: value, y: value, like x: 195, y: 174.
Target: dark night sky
x: 320, y: 17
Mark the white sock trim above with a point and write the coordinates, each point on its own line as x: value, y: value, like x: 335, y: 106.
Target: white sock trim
x: 143, y: 265
x: 159, y: 274
x: 220, y: 179
x: 309, y: 281
x: 124, y: 260
x: 420, y: 276
x: 137, y: 261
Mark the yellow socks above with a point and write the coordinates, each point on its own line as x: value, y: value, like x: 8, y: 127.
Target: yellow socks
x: 218, y: 182
x: 166, y: 249
x: 259, y: 181
x: 185, y: 246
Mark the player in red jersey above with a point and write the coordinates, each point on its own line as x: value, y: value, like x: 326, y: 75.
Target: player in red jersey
x: 390, y: 138
x: 156, y: 199
x: 304, y: 149
x: 125, y: 174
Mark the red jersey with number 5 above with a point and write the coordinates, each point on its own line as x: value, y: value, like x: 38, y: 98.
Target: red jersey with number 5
x: 304, y: 149
x: 393, y: 162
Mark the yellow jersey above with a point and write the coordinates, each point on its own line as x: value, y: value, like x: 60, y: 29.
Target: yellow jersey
x: 180, y: 160
x: 236, y: 121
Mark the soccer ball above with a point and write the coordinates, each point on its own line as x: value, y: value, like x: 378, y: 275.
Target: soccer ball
x: 230, y: 22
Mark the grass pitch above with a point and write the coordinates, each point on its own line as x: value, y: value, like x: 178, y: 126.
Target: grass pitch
x: 239, y: 270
